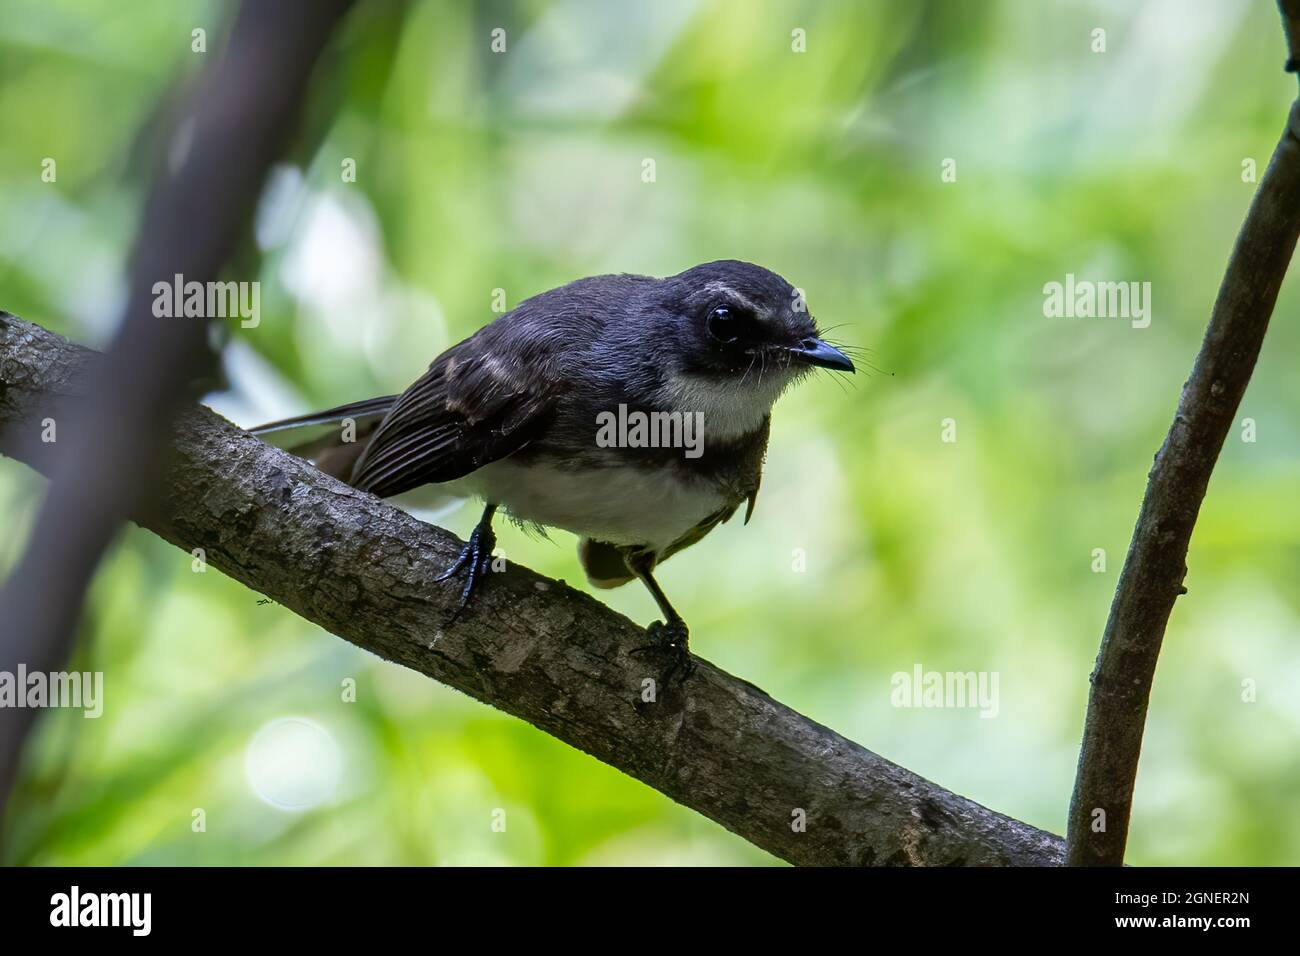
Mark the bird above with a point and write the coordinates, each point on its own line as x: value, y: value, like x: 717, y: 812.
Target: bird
x: 630, y: 410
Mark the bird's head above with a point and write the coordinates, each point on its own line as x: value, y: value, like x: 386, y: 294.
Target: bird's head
x: 734, y: 316
x: 741, y: 334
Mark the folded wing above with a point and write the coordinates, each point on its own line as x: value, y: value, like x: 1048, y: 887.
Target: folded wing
x: 473, y: 406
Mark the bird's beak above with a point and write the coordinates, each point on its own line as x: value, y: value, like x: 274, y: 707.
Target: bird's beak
x: 816, y: 352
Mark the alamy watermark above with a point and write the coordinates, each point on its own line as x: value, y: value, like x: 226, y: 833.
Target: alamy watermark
x: 1084, y: 299
x: 133, y: 911
x: 78, y: 689
x: 946, y: 690
x: 208, y: 300
x: 637, y: 429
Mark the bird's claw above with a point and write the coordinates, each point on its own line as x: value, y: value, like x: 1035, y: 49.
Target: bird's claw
x: 477, y: 557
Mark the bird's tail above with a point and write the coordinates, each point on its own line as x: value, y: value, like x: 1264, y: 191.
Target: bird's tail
x: 603, y: 564
x: 332, y: 439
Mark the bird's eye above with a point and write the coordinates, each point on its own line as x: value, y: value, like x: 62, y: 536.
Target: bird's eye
x: 724, y: 324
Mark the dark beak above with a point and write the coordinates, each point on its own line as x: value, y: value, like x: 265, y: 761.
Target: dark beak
x: 816, y: 352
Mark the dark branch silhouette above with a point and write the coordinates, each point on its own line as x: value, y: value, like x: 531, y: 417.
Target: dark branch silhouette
x: 533, y: 647
x: 234, y: 123
x: 1152, y: 578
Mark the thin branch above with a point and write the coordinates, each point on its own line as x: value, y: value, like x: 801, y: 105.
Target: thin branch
x: 533, y: 647
x: 227, y: 135
x: 1152, y: 578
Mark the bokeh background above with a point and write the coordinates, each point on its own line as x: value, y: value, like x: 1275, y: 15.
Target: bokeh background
x: 522, y: 170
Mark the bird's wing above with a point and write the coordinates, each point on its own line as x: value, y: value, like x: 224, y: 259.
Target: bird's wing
x: 606, y: 566
x: 722, y: 515
x: 696, y: 534
x: 753, y: 498
x: 473, y: 406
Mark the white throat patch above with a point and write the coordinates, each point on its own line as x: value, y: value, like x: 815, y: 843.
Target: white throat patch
x: 731, y: 408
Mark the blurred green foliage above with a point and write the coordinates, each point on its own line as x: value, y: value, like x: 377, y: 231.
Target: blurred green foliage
x: 522, y: 170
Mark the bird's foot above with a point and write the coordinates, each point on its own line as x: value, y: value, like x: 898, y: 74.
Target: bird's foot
x: 674, y: 637
x: 475, y: 560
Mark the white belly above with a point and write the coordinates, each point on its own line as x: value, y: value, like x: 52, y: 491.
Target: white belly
x: 619, y: 505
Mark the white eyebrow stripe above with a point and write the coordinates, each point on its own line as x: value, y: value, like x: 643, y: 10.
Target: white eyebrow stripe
x: 722, y: 287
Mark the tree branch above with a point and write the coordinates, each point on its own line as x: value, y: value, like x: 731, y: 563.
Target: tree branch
x: 236, y: 118
x: 531, y: 646
x: 1152, y: 578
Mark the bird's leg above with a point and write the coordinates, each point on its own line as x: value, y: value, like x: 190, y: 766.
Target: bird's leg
x: 671, y: 632
x: 476, y: 556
